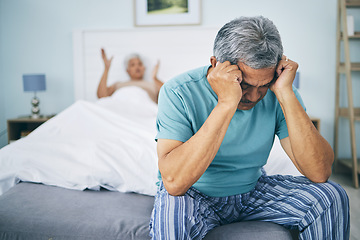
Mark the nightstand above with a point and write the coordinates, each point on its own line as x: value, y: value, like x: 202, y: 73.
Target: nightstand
x: 316, y: 122
x: 21, y: 127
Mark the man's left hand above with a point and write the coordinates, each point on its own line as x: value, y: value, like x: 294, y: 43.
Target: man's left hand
x: 286, y: 71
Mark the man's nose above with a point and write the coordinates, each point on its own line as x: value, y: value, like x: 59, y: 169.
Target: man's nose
x: 252, y: 94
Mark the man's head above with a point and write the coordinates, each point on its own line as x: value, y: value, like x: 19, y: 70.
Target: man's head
x: 254, y: 44
x: 134, y: 67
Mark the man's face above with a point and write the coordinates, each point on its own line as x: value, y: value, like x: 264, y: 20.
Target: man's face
x: 136, y: 69
x: 254, y: 85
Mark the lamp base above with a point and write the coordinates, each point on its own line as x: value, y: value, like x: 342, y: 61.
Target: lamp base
x: 35, y: 116
x: 35, y: 110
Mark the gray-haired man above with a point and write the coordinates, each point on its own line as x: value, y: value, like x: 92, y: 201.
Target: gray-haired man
x: 216, y: 126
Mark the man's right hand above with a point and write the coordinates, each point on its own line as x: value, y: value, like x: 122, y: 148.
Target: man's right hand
x: 107, y: 62
x: 225, y: 80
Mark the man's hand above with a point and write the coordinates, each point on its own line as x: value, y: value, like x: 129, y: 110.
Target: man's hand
x: 225, y: 80
x: 286, y: 71
x: 107, y: 62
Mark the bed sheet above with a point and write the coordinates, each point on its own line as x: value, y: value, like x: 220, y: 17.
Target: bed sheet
x: 35, y: 211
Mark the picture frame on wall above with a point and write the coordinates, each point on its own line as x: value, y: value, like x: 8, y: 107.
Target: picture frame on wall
x: 167, y: 12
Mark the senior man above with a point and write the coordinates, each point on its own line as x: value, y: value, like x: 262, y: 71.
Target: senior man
x: 216, y: 126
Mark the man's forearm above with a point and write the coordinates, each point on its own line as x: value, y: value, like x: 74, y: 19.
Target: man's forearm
x: 185, y: 164
x: 312, y: 152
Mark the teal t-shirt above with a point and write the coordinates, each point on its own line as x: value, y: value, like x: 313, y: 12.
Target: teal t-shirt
x: 186, y: 101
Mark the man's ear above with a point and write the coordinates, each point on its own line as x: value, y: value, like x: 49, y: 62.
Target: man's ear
x: 213, y: 61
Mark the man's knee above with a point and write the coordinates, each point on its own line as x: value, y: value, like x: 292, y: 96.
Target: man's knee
x: 336, y: 195
x: 332, y: 208
x: 179, y: 217
x: 333, y: 201
x: 170, y: 216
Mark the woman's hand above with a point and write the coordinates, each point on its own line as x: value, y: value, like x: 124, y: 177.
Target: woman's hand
x: 107, y: 62
x: 155, y: 70
x: 157, y: 82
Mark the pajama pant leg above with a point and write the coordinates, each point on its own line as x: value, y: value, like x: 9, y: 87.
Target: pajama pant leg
x: 181, y: 217
x: 318, y: 210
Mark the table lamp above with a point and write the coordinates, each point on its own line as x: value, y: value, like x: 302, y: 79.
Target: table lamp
x: 34, y: 83
x: 297, y: 80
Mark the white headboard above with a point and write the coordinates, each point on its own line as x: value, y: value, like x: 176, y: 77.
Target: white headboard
x: 179, y: 49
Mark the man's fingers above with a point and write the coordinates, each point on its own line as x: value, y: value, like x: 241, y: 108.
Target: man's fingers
x: 227, y: 66
x: 222, y: 65
x: 280, y: 68
x: 285, y: 58
x: 232, y: 68
x: 286, y: 65
x: 239, y: 77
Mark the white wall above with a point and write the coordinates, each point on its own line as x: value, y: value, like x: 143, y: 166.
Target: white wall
x: 36, y: 36
x: 3, y: 136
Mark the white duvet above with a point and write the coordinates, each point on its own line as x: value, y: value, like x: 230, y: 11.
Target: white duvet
x: 107, y: 144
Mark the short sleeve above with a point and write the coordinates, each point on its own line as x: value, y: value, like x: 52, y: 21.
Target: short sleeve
x: 172, y: 119
x: 281, y: 128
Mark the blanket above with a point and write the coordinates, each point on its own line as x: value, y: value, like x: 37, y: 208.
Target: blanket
x: 107, y: 144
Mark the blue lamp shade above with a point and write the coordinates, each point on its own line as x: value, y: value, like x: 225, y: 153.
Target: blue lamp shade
x: 296, y: 82
x: 34, y: 82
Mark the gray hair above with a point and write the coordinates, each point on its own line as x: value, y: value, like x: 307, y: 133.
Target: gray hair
x: 254, y: 41
x: 131, y: 56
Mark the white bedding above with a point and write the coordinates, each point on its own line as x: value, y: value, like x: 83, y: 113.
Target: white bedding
x: 107, y: 144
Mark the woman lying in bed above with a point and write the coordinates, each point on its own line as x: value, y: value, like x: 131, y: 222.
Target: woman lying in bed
x: 136, y: 70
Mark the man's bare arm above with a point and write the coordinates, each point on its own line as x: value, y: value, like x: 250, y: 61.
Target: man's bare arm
x: 182, y: 164
x: 309, y: 151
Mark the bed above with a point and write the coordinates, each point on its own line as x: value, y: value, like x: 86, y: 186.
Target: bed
x: 90, y: 172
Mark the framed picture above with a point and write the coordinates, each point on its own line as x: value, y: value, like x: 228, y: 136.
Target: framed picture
x: 167, y: 12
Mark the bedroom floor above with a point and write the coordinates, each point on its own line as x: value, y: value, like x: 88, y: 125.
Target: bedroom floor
x: 345, y: 180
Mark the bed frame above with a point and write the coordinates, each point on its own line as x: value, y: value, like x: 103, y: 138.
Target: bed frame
x: 32, y: 211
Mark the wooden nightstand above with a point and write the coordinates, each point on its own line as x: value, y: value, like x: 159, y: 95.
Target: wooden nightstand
x: 21, y: 127
x: 316, y: 122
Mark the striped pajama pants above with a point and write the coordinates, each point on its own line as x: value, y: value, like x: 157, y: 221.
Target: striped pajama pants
x: 318, y: 210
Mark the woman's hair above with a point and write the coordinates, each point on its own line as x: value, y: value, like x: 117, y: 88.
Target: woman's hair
x: 129, y: 57
x: 254, y: 41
